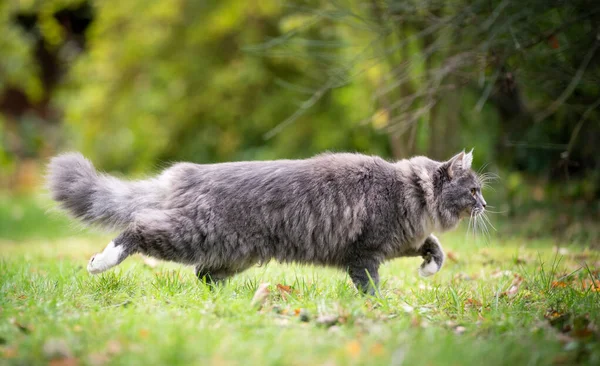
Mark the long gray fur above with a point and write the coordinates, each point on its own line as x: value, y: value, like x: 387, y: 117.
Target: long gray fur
x: 350, y: 211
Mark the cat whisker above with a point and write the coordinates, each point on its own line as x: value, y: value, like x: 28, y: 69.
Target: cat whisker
x: 469, y: 225
x: 485, y: 230
x: 496, y: 212
x: 482, y: 168
x: 488, y: 220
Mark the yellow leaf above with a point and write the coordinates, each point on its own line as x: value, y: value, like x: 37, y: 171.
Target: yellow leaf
x: 353, y: 348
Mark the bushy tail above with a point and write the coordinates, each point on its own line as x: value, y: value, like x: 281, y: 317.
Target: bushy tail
x: 97, y: 198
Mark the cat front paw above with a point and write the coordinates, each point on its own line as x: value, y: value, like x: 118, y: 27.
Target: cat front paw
x: 428, y: 268
x: 93, y: 267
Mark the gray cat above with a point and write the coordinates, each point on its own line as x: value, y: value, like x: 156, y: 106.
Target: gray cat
x: 349, y: 211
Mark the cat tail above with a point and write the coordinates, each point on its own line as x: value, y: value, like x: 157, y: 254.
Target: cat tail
x: 96, y: 198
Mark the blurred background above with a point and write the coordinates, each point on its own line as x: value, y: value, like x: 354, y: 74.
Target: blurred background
x: 137, y: 84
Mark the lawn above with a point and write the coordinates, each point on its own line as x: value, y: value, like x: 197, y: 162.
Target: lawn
x: 503, y: 301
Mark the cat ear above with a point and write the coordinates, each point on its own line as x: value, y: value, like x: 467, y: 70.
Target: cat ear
x: 454, y: 164
x: 467, y: 160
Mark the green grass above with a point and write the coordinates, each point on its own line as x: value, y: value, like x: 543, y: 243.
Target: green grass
x: 52, y: 310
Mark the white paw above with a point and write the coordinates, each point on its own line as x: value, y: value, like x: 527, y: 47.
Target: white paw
x: 429, y: 269
x: 107, y: 259
x: 93, y: 265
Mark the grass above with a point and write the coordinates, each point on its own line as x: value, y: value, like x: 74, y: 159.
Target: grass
x: 509, y: 301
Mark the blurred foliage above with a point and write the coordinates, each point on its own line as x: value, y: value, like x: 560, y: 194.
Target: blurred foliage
x: 137, y: 84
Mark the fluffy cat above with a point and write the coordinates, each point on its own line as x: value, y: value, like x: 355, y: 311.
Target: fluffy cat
x: 349, y: 211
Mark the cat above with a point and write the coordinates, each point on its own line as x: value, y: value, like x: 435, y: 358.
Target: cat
x: 345, y: 210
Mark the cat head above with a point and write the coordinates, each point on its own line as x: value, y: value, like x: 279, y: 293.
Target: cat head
x: 459, y: 189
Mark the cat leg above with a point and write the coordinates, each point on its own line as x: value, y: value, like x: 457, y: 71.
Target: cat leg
x: 365, y: 275
x: 216, y: 276
x: 115, y: 252
x: 433, y: 256
x: 212, y: 276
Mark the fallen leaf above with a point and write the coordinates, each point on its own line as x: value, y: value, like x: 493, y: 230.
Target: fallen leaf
x: 98, y: 359
x: 9, y: 352
x: 353, y: 348
x: 113, y: 347
x: 511, y: 292
x: 473, y: 303
x: 327, y: 320
x: 462, y: 277
x: 284, y: 288
x: 561, y: 251
x: 553, y: 41
x: 499, y: 273
x: 297, y: 311
x: 334, y: 329
x: 376, y: 349
x: 558, y: 284
x: 144, y: 333
x: 67, y: 361
x: 459, y: 330
x: 452, y: 256
x: 282, y: 322
x: 407, y: 308
x: 415, y: 322
x: 261, y: 294
x: 562, y: 359
x: 57, y: 348
x: 563, y: 338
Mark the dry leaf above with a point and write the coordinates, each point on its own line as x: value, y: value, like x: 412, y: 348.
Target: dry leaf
x: 9, y: 352
x: 553, y: 41
x: 520, y: 261
x: 57, y: 348
x: 473, y: 303
x: 67, y: 361
x: 284, y: 288
x: 98, y: 359
x: 327, y: 320
x: 407, y: 308
x: 415, y: 322
x: 459, y: 330
x: 144, y: 333
x: 353, y: 348
x: 559, y: 284
x: 511, y: 292
x: 376, y: 349
x: 452, y: 256
x: 261, y: 294
x: 334, y: 329
x: 113, y: 347
x: 499, y: 273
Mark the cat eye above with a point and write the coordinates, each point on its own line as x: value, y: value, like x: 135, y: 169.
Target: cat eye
x: 473, y: 191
